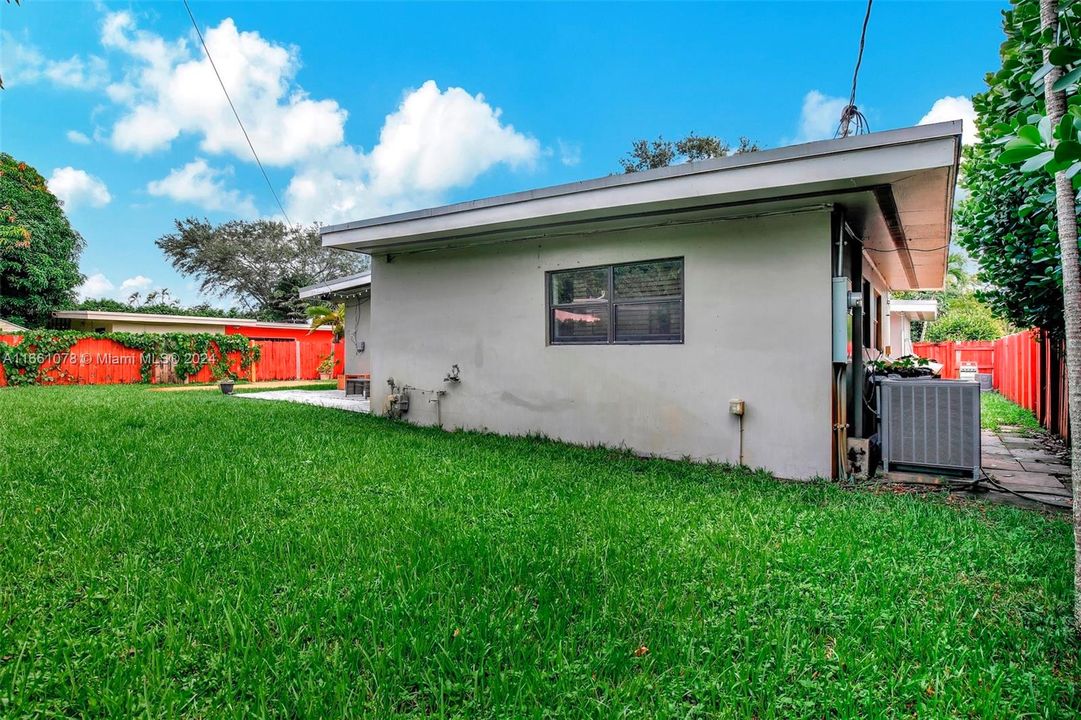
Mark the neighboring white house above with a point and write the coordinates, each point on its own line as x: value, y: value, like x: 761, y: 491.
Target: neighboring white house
x: 108, y: 321
x: 355, y: 293
x: 629, y: 310
x: 902, y: 314
x: 10, y: 327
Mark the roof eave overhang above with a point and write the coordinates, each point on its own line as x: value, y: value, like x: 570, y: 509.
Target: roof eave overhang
x: 344, y: 286
x: 816, y: 170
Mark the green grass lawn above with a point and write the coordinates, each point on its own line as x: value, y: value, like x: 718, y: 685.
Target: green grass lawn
x: 996, y: 411
x: 195, y: 555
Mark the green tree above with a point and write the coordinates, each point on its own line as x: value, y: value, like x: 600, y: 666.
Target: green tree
x: 965, y: 318
x: 962, y: 315
x: 1007, y: 223
x: 262, y: 264
x: 39, y: 250
x: 1043, y: 139
x: 647, y: 155
x: 334, y: 316
x: 160, y: 308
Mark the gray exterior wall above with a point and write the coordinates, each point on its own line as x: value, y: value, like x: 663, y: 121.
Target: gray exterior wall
x: 358, y: 324
x: 757, y: 327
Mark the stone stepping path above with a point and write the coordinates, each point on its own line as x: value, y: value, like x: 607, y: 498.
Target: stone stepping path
x: 1018, y: 460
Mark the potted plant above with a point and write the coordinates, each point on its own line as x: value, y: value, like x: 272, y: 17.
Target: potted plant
x: 226, y: 384
x: 326, y: 368
x: 909, y: 366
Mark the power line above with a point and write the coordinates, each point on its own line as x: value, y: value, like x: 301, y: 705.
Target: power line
x: 850, y: 114
x: 235, y: 113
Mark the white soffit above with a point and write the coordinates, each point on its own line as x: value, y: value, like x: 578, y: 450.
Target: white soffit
x: 913, y: 171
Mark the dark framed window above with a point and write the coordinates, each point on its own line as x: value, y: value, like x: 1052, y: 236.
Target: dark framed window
x: 628, y: 303
x: 879, y: 321
x: 867, y: 309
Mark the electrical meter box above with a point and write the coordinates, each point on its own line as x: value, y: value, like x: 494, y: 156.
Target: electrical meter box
x: 842, y: 321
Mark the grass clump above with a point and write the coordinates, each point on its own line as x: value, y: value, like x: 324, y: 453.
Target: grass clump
x: 996, y: 411
x: 196, y: 555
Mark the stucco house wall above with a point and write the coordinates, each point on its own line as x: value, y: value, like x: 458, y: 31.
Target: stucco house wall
x: 901, y: 332
x: 876, y: 308
x: 358, y: 324
x: 757, y: 327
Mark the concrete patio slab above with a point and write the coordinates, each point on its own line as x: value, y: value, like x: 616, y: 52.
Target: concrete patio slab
x: 1037, y: 481
x: 1023, y: 470
x: 1049, y: 468
x: 323, y: 398
x: 1001, y: 462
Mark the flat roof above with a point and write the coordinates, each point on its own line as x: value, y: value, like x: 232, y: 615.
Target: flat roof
x: 9, y: 326
x: 918, y: 309
x: 898, y: 183
x: 153, y: 318
x: 337, y: 285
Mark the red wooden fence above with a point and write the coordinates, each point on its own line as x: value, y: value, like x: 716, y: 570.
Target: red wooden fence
x: 1027, y: 367
x: 101, y: 361
x: 1030, y: 369
x: 953, y: 355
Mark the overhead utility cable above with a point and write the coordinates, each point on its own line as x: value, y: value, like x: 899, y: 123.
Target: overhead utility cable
x: 236, y: 114
x: 852, y: 120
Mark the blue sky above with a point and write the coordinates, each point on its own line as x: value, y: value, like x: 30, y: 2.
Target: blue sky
x: 360, y: 109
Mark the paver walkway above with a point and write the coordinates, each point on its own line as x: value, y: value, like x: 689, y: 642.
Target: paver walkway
x: 1025, y: 462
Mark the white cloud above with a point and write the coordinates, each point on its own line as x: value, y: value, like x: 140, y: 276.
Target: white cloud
x: 133, y: 284
x: 570, y: 154
x: 77, y: 187
x: 435, y: 141
x: 202, y: 185
x: 98, y: 286
x: 24, y: 64
x: 819, y: 117
x: 954, y: 108
x: 170, y: 91
x: 95, y: 286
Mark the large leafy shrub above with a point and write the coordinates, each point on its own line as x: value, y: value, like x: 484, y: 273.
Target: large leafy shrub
x: 39, y: 250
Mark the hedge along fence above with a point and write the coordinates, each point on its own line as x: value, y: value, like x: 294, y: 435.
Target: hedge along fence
x: 69, y: 357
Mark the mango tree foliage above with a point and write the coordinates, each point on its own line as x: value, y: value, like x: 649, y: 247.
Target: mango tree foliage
x: 39, y: 250
x: 1030, y: 139
x: 1007, y: 222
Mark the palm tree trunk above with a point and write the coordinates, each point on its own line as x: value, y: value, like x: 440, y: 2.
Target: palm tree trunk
x: 1066, y: 213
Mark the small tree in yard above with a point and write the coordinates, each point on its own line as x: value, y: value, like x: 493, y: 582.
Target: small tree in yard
x: 324, y: 315
x: 1048, y: 140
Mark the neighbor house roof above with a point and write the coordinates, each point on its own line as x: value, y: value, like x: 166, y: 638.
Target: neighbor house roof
x: 7, y: 326
x: 896, y: 187
x: 337, y: 286
x: 915, y: 309
x: 153, y: 318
